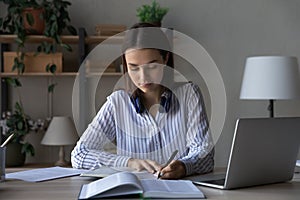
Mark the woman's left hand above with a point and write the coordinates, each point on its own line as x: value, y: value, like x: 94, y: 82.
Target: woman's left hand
x: 175, y: 170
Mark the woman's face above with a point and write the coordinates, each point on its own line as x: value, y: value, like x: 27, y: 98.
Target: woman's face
x: 145, y: 68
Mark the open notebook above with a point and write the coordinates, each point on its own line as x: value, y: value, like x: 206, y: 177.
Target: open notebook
x: 127, y: 183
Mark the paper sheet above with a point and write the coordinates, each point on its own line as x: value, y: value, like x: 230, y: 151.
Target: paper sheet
x: 44, y: 174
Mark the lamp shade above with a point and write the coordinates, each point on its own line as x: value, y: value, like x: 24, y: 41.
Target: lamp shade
x: 271, y: 77
x: 61, y: 131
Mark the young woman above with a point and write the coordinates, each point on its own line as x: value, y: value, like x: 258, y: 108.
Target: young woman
x: 151, y: 118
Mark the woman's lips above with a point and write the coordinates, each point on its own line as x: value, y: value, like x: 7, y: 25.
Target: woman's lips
x: 145, y: 84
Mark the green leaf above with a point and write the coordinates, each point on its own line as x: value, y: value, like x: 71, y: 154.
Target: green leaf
x: 72, y: 30
x: 16, y: 63
x: 21, y: 68
x: 17, y: 83
x: 30, y: 19
x: 53, y: 48
x: 20, y: 125
x: 66, y: 46
x: 48, y: 67
x: 9, y: 81
x: 28, y: 149
x: 57, y: 39
x: 51, y: 68
x: 14, y: 82
x: 18, y: 107
x: 47, y: 48
x: 19, y: 41
x: 51, y: 87
x: 53, y: 17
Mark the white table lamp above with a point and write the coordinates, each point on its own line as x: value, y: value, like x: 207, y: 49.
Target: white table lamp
x: 61, y: 132
x: 271, y: 78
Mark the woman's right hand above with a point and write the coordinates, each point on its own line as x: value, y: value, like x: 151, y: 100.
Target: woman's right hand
x: 139, y: 164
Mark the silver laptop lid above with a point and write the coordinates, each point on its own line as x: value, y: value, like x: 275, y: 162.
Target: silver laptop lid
x: 264, y: 150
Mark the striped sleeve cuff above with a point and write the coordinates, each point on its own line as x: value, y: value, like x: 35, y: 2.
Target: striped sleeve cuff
x: 199, y: 166
x: 188, y: 167
x: 121, y: 161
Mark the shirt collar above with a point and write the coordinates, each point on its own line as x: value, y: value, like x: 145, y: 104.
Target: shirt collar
x: 165, y: 102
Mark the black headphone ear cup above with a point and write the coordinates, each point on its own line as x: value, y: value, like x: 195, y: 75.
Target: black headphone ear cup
x: 162, y: 107
x: 139, y: 108
x: 165, y: 103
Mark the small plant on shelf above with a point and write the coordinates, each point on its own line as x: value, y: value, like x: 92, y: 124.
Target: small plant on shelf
x: 151, y: 13
x: 21, y: 21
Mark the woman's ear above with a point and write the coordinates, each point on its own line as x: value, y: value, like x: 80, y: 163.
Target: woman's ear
x: 166, y: 58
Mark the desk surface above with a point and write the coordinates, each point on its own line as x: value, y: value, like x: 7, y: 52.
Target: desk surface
x: 68, y: 188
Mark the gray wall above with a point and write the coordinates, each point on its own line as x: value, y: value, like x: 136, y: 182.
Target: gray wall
x: 230, y: 31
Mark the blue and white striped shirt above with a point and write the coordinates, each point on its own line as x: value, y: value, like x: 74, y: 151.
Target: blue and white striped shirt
x: 139, y: 135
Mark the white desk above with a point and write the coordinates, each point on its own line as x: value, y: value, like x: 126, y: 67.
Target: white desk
x: 68, y: 188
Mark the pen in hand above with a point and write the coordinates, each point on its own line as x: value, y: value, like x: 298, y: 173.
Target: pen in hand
x: 167, y: 163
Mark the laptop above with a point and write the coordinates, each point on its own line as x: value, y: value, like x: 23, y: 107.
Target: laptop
x: 263, y: 151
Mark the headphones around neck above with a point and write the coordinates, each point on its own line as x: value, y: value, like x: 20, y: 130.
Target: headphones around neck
x: 164, y: 102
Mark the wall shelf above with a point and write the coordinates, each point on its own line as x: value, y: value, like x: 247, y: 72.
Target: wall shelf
x: 70, y: 39
x: 63, y: 74
x: 82, y: 40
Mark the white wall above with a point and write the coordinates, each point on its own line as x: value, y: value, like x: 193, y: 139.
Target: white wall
x: 230, y: 31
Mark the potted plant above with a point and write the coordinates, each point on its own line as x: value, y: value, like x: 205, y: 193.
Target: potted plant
x: 20, y: 125
x: 152, y: 13
x: 17, y: 123
x: 56, y: 19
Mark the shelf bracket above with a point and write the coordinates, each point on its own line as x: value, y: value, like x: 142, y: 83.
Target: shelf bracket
x: 82, y: 81
x: 4, y: 85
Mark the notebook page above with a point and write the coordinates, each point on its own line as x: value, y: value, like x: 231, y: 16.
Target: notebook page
x: 117, y: 184
x: 170, y: 189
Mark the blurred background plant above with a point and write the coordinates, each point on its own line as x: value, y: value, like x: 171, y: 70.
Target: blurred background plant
x: 152, y: 13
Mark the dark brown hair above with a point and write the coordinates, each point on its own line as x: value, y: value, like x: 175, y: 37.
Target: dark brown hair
x: 149, y: 36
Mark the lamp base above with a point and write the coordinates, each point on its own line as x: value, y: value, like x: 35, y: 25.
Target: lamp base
x: 62, y: 163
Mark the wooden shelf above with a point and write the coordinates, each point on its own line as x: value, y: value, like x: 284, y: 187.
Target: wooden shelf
x: 104, y: 74
x: 99, y: 39
x: 9, y: 74
x: 71, y: 39
x: 38, y: 38
x: 63, y: 74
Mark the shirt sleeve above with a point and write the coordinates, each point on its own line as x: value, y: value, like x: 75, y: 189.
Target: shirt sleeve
x: 200, y: 157
x: 89, y: 151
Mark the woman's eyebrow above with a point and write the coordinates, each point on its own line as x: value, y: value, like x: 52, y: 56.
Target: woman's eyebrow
x: 135, y: 65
